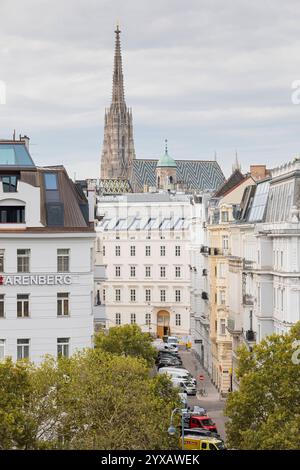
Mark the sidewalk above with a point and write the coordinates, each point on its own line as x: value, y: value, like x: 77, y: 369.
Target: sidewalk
x: 212, y: 402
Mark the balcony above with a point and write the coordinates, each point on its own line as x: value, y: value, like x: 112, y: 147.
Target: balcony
x: 250, y: 336
x: 248, y: 264
x: 99, y: 272
x: 248, y: 299
x: 232, y: 327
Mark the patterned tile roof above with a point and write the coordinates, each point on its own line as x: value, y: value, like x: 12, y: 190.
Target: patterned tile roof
x: 194, y: 174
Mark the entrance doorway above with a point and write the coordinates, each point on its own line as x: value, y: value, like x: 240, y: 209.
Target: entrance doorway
x: 163, y: 323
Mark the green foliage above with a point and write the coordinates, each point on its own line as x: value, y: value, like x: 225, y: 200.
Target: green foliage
x: 94, y: 400
x: 127, y: 340
x: 264, y: 412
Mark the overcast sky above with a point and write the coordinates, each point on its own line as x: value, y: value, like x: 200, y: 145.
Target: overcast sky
x: 209, y: 75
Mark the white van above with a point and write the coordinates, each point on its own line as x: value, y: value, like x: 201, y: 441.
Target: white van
x: 179, y: 374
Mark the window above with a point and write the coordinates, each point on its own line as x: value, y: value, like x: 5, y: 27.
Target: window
x: 63, y: 347
x: 225, y: 242
x: 221, y: 270
x: 50, y: 181
x: 118, y: 250
x: 222, y: 297
x: 162, y: 250
x: 2, y: 349
x: 104, y: 295
x: 148, y: 295
x: 63, y: 260
x: 177, y: 250
x: 132, y: 271
x: 9, y: 183
x: 177, y: 271
x: 62, y: 304
x: 162, y: 271
x: 103, y: 250
x: 222, y: 326
x: 133, y: 318
x: 2, y: 261
x: 178, y: 319
x: 148, y: 250
x: 118, y: 271
x: 118, y: 295
x: 177, y: 295
x: 23, y: 261
x: 148, y: 271
x: 132, y: 250
x: 2, y: 313
x: 224, y: 216
x: 12, y: 214
x: 148, y: 319
x: 162, y: 295
x: 22, y: 305
x: 118, y: 319
x: 23, y: 349
x: 132, y: 295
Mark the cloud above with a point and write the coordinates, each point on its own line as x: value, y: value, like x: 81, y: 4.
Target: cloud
x: 209, y: 74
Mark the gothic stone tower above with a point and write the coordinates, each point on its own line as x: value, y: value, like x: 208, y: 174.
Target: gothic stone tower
x: 118, y: 146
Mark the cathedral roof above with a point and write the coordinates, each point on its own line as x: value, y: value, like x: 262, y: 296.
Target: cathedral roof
x: 196, y: 175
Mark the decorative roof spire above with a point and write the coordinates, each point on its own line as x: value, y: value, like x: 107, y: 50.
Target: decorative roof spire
x: 236, y: 166
x: 118, y: 83
x: 166, y: 146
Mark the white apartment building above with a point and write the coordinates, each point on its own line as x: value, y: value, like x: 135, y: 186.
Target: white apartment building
x: 144, y: 241
x: 265, y: 262
x: 46, y: 259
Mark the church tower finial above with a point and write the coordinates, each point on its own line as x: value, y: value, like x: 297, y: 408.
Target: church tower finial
x: 118, y: 97
x: 118, y: 146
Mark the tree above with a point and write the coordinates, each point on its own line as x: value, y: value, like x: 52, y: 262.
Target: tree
x: 127, y: 340
x: 264, y: 412
x: 93, y: 400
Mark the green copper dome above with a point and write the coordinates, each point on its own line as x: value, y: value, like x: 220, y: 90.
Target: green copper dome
x: 166, y: 161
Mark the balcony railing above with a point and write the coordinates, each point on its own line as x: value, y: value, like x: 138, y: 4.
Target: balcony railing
x: 250, y: 336
x: 248, y: 299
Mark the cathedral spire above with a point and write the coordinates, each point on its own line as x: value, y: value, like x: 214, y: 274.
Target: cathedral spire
x: 118, y: 145
x: 118, y: 81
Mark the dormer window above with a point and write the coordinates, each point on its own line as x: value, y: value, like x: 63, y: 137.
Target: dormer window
x: 50, y: 181
x: 9, y: 183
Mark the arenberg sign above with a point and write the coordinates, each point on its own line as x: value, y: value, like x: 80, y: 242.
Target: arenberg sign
x: 35, y: 280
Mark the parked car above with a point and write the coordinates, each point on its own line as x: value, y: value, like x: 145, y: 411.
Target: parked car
x: 198, y: 432
x: 189, y: 388
x: 202, y: 443
x: 199, y: 410
x: 168, y: 347
x: 178, y: 374
x: 183, y: 399
x: 168, y: 362
x: 199, y: 421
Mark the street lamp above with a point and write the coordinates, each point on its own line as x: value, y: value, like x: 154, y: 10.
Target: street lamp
x: 172, y: 429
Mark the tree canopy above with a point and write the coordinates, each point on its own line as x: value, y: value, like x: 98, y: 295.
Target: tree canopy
x: 127, y: 340
x: 264, y: 412
x: 93, y: 400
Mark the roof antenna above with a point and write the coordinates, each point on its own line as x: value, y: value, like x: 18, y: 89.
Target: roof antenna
x: 14, y: 134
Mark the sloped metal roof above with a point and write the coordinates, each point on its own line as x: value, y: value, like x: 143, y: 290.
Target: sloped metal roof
x: 199, y: 175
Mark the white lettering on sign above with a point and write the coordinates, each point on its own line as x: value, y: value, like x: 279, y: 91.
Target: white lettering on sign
x: 36, y: 280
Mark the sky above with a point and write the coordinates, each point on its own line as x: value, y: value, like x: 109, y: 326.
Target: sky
x: 211, y: 76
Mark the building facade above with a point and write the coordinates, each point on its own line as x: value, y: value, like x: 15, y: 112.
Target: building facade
x: 46, y: 259
x: 143, y: 240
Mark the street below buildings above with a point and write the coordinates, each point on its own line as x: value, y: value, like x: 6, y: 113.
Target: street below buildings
x: 212, y: 402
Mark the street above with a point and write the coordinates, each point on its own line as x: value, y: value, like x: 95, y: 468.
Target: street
x: 212, y: 402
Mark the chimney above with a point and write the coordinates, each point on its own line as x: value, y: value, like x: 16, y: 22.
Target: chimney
x: 258, y: 172
x: 26, y: 140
